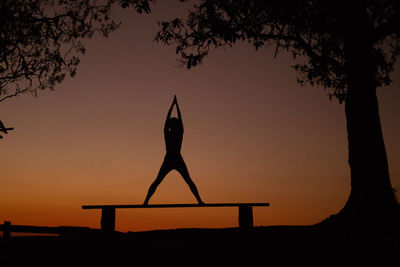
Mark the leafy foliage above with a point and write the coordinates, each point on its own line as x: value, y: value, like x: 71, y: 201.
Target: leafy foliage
x: 314, y: 31
x: 40, y: 40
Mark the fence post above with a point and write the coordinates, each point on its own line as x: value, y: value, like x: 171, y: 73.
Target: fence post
x: 7, y: 230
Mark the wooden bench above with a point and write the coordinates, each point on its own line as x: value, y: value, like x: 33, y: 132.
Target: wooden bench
x: 108, y: 211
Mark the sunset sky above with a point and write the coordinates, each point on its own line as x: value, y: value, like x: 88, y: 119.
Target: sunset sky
x: 252, y: 134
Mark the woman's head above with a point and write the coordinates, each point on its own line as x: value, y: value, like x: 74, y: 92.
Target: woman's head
x: 172, y: 124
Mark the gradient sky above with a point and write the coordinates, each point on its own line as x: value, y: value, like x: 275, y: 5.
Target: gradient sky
x: 252, y: 134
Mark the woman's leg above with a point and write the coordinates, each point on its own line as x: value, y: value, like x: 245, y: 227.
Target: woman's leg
x: 182, y: 169
x: 164, y: 170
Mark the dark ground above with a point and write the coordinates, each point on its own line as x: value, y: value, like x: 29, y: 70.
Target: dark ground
x: 261, y: 246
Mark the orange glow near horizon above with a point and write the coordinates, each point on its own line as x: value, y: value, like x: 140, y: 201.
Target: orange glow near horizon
x: 252, y: 134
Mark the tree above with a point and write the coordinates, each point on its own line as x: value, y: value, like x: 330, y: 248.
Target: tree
x: 346, y: 47
x: 40, y: 40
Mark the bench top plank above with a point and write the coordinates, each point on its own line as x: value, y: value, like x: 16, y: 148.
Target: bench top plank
x: 141, y: 206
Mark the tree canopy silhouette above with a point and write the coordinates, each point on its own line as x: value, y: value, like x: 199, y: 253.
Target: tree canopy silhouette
x: 40, y: 41
x: 347, y: 47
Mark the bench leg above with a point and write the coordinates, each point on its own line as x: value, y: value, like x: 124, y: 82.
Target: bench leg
x: 108, y: 219
x: 245, y: 217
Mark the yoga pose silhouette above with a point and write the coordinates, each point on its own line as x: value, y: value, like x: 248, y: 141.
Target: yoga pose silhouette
x: 173, y: 135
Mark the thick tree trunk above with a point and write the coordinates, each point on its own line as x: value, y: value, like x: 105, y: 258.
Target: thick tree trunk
x: 371, y: 197
x: 371, y: 193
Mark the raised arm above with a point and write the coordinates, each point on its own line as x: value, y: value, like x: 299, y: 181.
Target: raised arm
x: 169, y: 114
x: 179, y: 113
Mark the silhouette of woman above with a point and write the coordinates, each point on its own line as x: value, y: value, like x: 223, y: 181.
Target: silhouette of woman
x: 173, y: 136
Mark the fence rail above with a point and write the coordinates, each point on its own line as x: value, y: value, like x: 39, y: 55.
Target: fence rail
x: 7, y: 228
